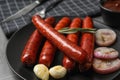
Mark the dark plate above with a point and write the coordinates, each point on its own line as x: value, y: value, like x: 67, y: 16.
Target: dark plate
x: 18, y: 41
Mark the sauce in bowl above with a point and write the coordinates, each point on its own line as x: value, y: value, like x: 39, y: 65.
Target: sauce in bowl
x: 113, y: 5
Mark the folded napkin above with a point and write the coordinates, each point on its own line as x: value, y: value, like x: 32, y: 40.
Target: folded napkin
x: 66, y: 7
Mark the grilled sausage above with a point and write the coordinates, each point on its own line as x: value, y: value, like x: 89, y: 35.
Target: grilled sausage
x: 48, y: 50
x: 30, y: 50
x: 68, y: 63
x: 87, y: 43
x: 66, y: 46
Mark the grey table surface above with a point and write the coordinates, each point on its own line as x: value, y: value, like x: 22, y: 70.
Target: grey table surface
x: 5, y: 72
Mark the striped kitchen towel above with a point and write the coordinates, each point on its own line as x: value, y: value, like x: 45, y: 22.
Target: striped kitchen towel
x: 66, y: 7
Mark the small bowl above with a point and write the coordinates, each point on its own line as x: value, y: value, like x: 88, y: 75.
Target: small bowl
x: 110, y: 17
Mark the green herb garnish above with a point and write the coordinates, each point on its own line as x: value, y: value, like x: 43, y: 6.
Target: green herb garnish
x: 67, y: 30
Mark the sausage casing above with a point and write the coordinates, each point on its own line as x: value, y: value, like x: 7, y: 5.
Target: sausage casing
x: 68, y: 63
x: 48, y: 50
x: 66, y: 46
x: 87, y: 43
x: 29, y: 53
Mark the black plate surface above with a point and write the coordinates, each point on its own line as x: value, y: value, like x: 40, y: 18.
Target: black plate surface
x: 18, y: 41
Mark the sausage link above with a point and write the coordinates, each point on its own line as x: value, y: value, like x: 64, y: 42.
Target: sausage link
x: 50, y: 20
x: 66, y: 46
x: 68, y: 63
x: 87, y: 43
x: 48, y: 50
x: 30, y: 50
